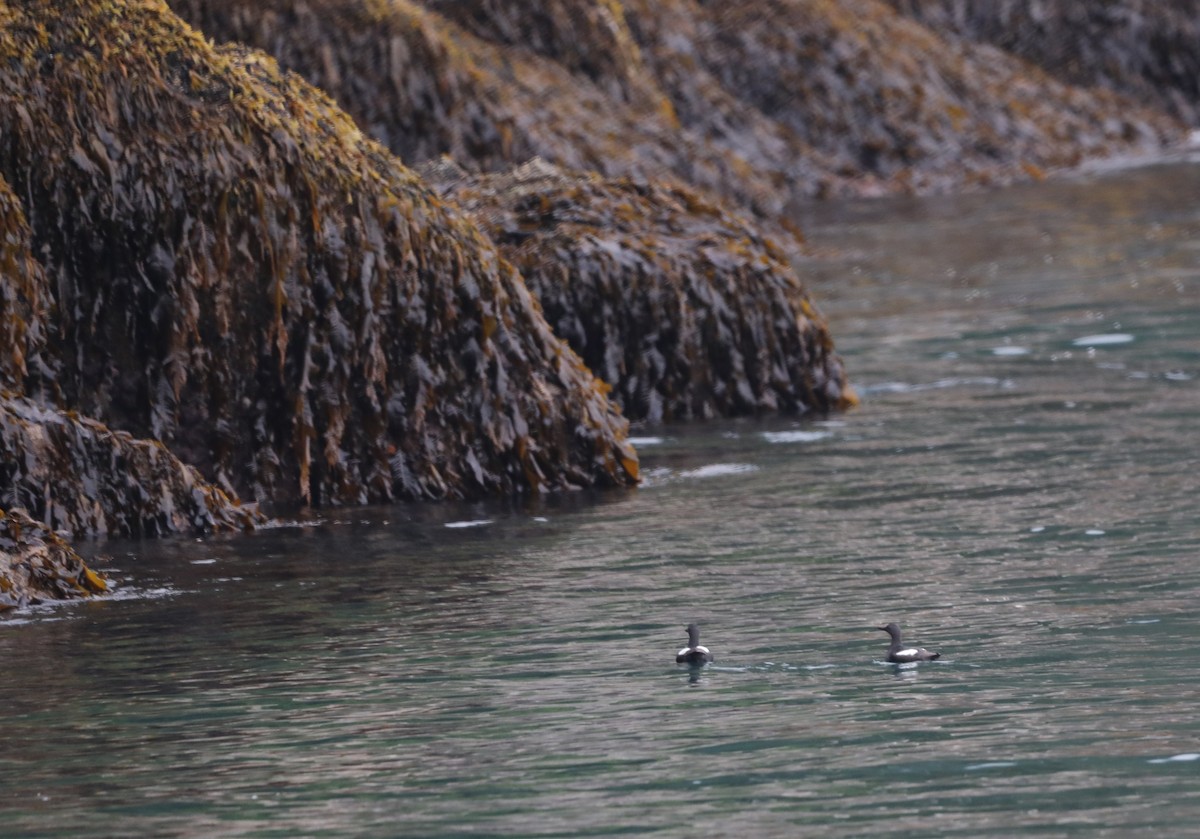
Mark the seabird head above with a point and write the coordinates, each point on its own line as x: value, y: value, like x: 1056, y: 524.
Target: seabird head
x: 891, y: 629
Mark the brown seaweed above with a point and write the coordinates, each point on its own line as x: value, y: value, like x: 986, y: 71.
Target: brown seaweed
x: 76, y: 475
x: 240, y: 274
x: 682, y: 306
x: 36, y: 563
x: 1149, y: 51
x: 24, y: 303
x: 758, y: 103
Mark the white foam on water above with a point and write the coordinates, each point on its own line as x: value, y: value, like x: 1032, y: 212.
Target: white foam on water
x: 645, y: 441
x: 1186, y: 757
x: 1105, y: 340
x: 1010, y: 351
x: 718, y: 470
x: 474, y: 523
x: 954, y: 381
x: 795, y: 436
x: 203, y: 562
x: 1093, y: 532
x: 995, y: 764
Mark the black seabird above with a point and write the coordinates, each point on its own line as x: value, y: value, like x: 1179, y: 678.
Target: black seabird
x: 901, y: 654
x: 693, y: 653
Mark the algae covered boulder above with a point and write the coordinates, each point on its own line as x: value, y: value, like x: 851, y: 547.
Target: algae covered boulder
x: 429, y: 79
x: 36, y: 563
x: 756, y: 103
x: 76, y: 475
x: 891, y: 105
x: 1147, y: 50
x: 683, y: 307
x: 240, y: 274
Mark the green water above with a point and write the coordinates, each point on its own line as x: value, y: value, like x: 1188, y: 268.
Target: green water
x: 1019, y: 490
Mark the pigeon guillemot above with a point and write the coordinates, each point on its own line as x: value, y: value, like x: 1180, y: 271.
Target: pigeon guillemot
x: 693, y: 653
x: 904, y: 655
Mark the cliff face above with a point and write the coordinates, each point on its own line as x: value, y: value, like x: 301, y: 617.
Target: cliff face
x: 1148, y: 50
x: 241, y: 275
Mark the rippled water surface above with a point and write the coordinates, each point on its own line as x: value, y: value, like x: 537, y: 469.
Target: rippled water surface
x: 1019, y: 489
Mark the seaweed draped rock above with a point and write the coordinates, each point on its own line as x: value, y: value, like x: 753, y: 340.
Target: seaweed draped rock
x: 24, y: 302
x: 426, y: 86
x: 69, y: 471
x: 36, y: 563
x: 237, y: 272
x: 76, y: 475
x: 683, y: 307
x: 1149, y: 51
x: 758, y: 103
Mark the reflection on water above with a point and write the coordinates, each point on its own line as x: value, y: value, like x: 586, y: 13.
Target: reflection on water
x: 1018, y: 490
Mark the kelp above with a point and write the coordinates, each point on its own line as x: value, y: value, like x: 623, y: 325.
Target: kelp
x: 240, y: 274
x: 685, y: 308
x: 757, y: 103
x: 892, y: 104
x: 36, y: 564
x: 592, y: 40
x: 24, y: 303
x: 77, y: 476
x: 70, y: 472
x: 1149, y: 51
x: 419, y: 81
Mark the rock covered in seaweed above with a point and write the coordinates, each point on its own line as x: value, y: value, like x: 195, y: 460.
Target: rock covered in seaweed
x: 24, y: 302
x: 684, y: 308
x: 76, y: 475
x: 425, y: 86
x: 72, y: 473
x: 36, y: 563
x: 267, y: 292
x: 1147, y: 50
x: 760, y: 103
x: 892, y: 105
